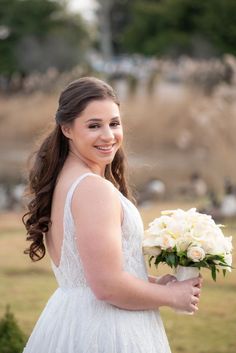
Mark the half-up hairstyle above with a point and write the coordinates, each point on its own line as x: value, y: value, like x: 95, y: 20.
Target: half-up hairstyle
x: 51, y: 156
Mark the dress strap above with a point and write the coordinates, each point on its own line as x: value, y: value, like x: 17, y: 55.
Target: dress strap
x: 68, y: 244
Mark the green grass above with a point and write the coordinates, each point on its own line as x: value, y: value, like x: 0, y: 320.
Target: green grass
x: 27, y: 286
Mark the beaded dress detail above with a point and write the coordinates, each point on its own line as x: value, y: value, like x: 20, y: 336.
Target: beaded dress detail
x: 75, y: 321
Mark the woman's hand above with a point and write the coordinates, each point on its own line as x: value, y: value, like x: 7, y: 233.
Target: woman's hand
x: 184, y: 295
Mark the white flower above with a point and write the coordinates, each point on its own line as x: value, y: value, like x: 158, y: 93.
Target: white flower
x: 228, y: 260
x: 228, y: 244
x: 166, y: 224
x: 163, y: 240
x: 195, y: 253
x: 209, y: 246
x: 212, y: 245
x: 188, y: 233
x: 156, y: 226
x: 182, y: 244
x: 166, y: 241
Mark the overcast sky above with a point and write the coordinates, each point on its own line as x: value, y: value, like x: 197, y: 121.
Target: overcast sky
x: 85, y: 7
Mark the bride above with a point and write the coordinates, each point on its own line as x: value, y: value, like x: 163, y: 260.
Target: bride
x: 81, y: 210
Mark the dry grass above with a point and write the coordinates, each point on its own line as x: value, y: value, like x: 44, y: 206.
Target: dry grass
x: 173, y: 132
x: 178, y: 131
x: 27, y: 287
x: 23, y: 117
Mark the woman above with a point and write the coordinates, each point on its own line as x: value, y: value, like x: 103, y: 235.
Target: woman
x: 80, y: 204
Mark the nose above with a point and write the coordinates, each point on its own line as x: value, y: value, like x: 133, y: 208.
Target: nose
x: 107, y: 134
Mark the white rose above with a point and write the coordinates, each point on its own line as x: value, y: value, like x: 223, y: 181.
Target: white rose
x: 199, y: 231
x: 211, y: 245
x: 154, y: 227
x: 195, y: 253
x: 208, y: 246
x: 228, y: 244
x: 176, y: 229
x: 166, y: 241
x: 217, y: 248
x: 182, y: 244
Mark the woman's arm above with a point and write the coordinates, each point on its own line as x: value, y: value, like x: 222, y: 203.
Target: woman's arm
x: 96, y: 210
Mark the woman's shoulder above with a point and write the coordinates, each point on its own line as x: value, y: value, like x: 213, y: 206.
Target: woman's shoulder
x: 78, y: 178
x: 93, y: 186
x: 96, y: 196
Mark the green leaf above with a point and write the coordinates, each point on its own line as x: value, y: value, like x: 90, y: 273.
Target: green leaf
x: 172, y: 259
x: 213, y: 273
x: 150, y: 260
x: 157, y: 261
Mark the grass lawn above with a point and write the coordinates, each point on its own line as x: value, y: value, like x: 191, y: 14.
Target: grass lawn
x: 27, y: 287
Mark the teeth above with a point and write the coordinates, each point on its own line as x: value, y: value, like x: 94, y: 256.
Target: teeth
x: 104, y: 148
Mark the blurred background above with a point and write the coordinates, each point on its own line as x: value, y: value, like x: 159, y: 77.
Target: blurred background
x: 173, y: 65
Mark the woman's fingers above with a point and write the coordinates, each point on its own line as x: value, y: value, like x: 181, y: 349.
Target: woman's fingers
x: 197, y: 284
x: 200, y: 280
x: 193, y: 308
x: 194, y: 303
x: 194, y: 300
x: 196, y: 281
x: 196, y: 291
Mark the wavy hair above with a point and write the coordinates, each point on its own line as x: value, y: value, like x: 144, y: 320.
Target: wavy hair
x: 51, y: 155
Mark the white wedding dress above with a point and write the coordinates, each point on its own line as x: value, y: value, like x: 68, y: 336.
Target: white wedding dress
x: 75, y: 321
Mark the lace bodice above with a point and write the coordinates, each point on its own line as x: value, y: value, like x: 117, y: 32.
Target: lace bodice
x: 70, y: 272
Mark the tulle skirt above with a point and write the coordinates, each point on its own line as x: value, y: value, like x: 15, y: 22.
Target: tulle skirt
x: 75, y: 321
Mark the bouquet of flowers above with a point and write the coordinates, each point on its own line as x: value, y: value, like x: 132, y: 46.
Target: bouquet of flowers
x: 190, y: 239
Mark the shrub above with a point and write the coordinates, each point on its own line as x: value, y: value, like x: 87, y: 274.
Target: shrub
x: 12, y: 339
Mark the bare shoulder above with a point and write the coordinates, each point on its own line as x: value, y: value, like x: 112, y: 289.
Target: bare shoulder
x: 95, y: 191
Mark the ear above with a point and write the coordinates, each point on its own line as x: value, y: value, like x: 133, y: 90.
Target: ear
x: 66, y: 130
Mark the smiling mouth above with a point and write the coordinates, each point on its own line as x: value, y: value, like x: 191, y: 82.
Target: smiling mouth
x: 105, y: 148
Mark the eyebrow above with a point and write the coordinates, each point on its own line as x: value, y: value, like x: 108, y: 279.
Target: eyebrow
x: 98, y: 120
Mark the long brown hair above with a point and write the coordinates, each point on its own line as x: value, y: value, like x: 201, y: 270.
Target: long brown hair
x: 51, y: 155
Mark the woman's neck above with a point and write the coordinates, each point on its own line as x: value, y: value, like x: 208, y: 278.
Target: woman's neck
x: 96, y: 169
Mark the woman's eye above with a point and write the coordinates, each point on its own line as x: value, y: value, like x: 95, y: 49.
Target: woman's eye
x: 93, y: 126
x: 96, y: 126
x: 115, y: 123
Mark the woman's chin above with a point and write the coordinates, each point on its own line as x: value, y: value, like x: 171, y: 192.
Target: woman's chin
x: 106, y: 157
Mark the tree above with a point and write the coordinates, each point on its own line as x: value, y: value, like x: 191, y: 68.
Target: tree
x: 37, y: 34
x: 104, y: 27
x: 12, y: 339
x: 120, y: 18
x: 174, y: 27
x: 113, y: 16
x: 218, y: 24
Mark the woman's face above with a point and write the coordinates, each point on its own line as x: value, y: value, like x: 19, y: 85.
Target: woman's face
x: 96, y: 135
